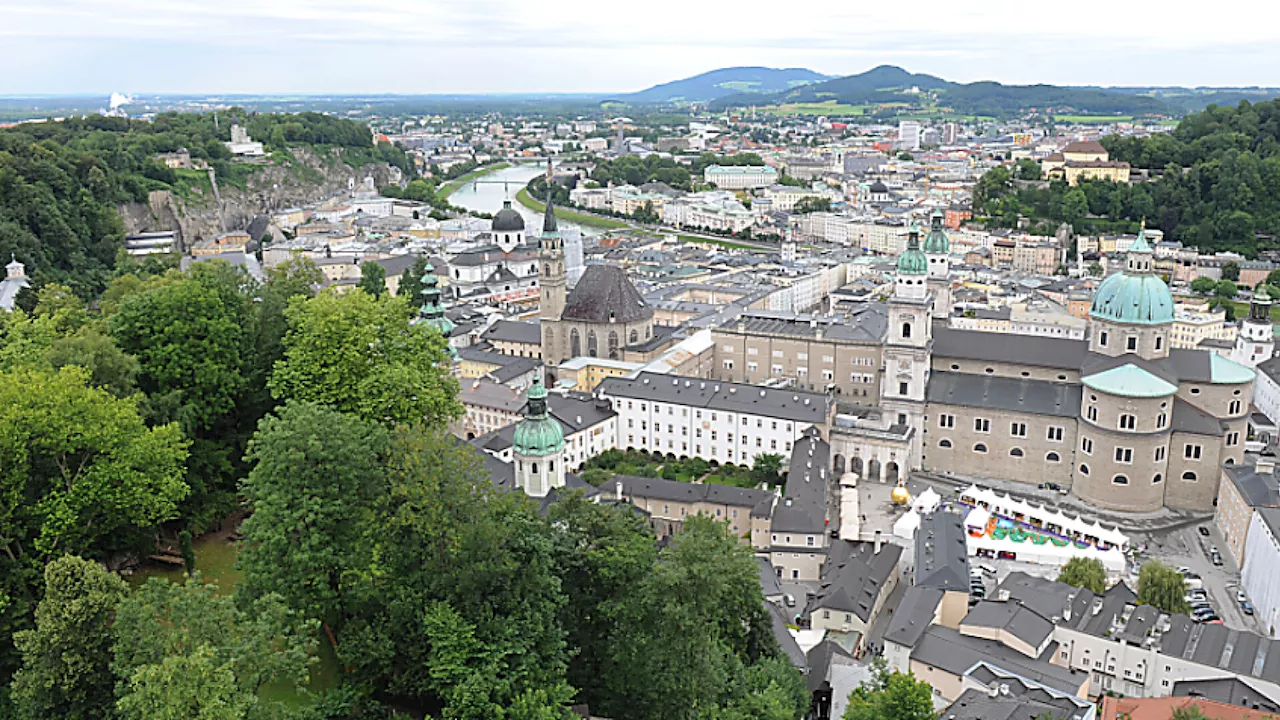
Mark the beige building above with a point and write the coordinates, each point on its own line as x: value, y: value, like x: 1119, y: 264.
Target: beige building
x: 587, y: 372
x: 1084, y: 160
x: 1194, y: 323
x: 1243, y: 489
x: 669, y: 503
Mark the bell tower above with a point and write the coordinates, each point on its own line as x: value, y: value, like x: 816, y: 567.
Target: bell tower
x: 1256, y: 342
x: 908, y: 345
x: 937, y: 249
x: 552, y: 284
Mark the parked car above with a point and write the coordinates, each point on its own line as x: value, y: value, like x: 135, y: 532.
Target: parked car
x: 1215, y: 558
x: 987, y: 569
x: 1246, y: 607
x: 1185, y: 571
x: 789, y: 599
x: 1203, y: 530
x: 1213, y: 621
x: 1240, y: 596
x: 1202, y: 610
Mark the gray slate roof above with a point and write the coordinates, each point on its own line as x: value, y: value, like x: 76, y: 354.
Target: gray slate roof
x: 604, y: 294
x: 1000, y: 347
x: 803, y: 508
x: 790, y: 405
x: 1038, y: 397
x: 854, y: 575
x: 942, y: 559
x: 948, y: 650
x: 1012, y: 617
x: 1257, y: 489
x: 913, y: 615
x: 513, y: 331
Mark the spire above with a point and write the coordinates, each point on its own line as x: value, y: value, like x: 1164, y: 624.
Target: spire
x: 431, y: 312
x: 549, y: 218
x: 1141, y: 245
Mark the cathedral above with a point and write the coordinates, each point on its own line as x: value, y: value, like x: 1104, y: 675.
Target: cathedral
x: 601, y: 315
x: 1122, y: 418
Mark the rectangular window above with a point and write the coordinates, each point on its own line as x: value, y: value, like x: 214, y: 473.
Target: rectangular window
x: 1018, y: 429
x: 1132, y: 344
x: 752, y: 367
x: 1102, y: 339
x: 981, y: 425
x: 903, y: 388
x: 1124, y: 455
x: 1191, y: 452
x: 728, y: 364
x: 802, y: 356
x: 1160, y: 454
x: 1233, y: 438
x: 1086, y: 446
x: 946, y: 421
x: 753, y: 351
x: 1055, y: 433
x: 777, y: 353
x: 1128, y: 422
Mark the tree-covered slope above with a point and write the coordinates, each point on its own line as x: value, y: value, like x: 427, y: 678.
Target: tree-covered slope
x: 726, y: 81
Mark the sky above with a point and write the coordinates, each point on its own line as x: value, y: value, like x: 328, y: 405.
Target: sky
x: 543, y: 46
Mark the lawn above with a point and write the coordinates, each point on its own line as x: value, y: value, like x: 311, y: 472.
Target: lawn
x: 727, y: 244
x: 450, y: 187
x: 829, y: 107
x: 732, y: 475
x: 216, y: 561
x: 1241, y: 310
x: 1093, y: 119
x: 527, y: 200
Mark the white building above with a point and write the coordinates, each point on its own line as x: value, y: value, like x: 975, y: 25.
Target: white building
x: 241, y: 144
x: 592, y: 198
x: 785, y: 197
x: 1261, y: 557
x: 740, y: 177
x: 721, y: 421
x: 1266, y: 389
x: 909, y: 134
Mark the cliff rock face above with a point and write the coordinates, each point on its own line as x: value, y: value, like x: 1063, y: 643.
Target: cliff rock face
x: 218, y: 207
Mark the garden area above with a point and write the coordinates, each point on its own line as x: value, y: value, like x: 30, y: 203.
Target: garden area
x: 601, y: 468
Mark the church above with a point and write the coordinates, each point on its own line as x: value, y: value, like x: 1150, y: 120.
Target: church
x: 603, y: 314
x: 1122, y: 418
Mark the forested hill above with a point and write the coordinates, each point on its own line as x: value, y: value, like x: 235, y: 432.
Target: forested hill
x: 1216, y: 185
x: 62, y: 182
x: 888, y: 84
x: 726, y: 81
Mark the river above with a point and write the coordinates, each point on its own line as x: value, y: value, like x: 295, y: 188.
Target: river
x: 487, y: 195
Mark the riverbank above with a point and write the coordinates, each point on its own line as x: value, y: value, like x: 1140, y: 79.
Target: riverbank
x: 452, y: 186
x: 524, y: 198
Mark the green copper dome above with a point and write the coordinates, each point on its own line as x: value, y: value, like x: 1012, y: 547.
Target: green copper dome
x: 912, y: 261
x: 1137, y: 295
x: 936, y: 243
x: 538, y: 434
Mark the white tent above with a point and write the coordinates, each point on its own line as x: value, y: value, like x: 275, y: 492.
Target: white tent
x: 906, y: 526
x: 927, y: 501
x: 1007, y: 506
x: 1048, y: 553
x: 977, y: 519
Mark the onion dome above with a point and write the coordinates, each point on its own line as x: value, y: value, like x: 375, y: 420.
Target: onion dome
x: 538, y: 434
x: 507, y: 219
x: 1136, y: 295
x: 912, y: 261
x: 936, y: 243
x: 431, y: 312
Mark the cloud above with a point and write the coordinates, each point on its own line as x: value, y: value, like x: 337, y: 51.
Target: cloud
x: 583, y: 45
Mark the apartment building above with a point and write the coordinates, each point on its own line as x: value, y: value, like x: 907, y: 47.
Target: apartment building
x: 740, y: 177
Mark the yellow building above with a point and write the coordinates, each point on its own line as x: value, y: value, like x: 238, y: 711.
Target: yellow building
x: 588, y: 372
x: 1084, y: 160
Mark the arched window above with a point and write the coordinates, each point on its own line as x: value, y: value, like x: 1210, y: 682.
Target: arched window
x: 1120, y: 480
x: 1157, y: 479
x: 593, y: 349
x: 1189, y: 476
x: 534, y: 467
x: 1052, y: 457
x: 944, y: 443
x: 906, y: 330
x: 980, y: 448
x: 613, y: 345
x: 1015, y: 452
x: 575, y: 343
x: 635, y: 336
x: 546, y: 271
x: 1084, y: 469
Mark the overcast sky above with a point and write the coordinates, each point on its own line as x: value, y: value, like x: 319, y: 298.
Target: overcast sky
x: 477, y: 46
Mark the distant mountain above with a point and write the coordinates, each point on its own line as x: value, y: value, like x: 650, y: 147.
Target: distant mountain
x: 726, y: 81
x: 888, y: 84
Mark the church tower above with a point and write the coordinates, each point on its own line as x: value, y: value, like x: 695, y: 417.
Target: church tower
x: 1256, y: 342
x: 937, y: 250
x: 551, y: 286
x: 431, y: 312
x: 538, y: 447
x: 908, y: 345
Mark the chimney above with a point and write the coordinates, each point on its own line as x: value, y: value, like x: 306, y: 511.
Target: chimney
x: 879, y: 542
x: 1266, y: 464
x: 618, y: 490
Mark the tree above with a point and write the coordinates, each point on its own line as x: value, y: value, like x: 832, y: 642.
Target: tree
x: 1095, y: 269
x: 1190, y: 711
x: 373, y: 278
x: 1086, y: 573
x: 410, y: 287
x: 767, y: 469
x: 812, y: 204
x: 890, y: 696
x: 1028, y: 169
x: 363, y: 355
x: 601, y: 552
x: 1162, y: 587
x: 1273, y: 278
x: 186, y: 651
x: 1075, y: 205
x: 1231, y: 270
x: 66, y: 659
x: 1225, y: 289
x: 1203, y: 285
x: 316, y: 474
